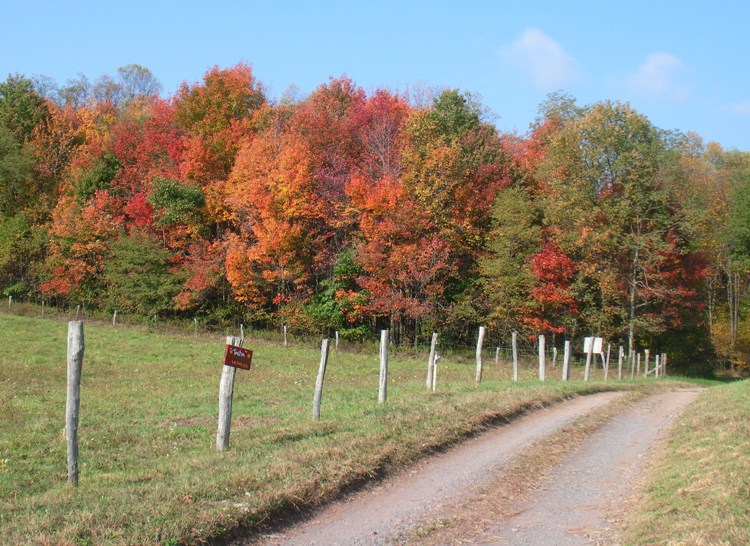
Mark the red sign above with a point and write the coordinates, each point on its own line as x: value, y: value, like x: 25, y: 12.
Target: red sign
x: 237, y: 357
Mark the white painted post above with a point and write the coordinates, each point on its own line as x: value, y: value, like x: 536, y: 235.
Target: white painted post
x: 73, y: 402
x: 589, y: 353
x: 285, y: 339
x: 226, y: 392
x: 431, y: 362
x: 542, y: 364
x: 480, y: 341
x: 620, y: 355
x: 497, y: 355
x: 383, y: 391
x: 514, y: 344
x: 645, y: 367
x: 606, y: 363
x: 337, y: 341
x: 566, y: 361
x: 10, y: 301
x: 319, y: 380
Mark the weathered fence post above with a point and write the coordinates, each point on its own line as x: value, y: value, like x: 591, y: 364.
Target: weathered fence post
x: 73, y: 402
x: 554, y: 356
x: 336, y: 346
x: 78, y: 311
x: 589, y: 353
x: 431, y: 362
x: 285, y: 338
x: 42, y: 307
x: 566, y: 361
x: 620, y: 355
x: 514, y: 345
x: 480, y: 341
x: 497, y: 355
x: 542, y: 364
x: 114, y: 318
x: 645, y: 367
x: 638, y: 364
x: 606, y: 363
x: 226, y: 391
x: 657, y: 366
x: 383, y: 391
x: 319, y: 380
x: 664, y: 364
x: 242, y: 331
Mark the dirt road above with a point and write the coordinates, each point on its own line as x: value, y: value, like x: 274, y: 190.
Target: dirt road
x: 453, y: 497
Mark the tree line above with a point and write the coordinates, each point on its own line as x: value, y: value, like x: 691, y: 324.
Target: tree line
x: 357, y: 211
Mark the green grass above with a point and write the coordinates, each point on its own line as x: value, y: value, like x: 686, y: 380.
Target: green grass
x: 700, y: 493
x: 149, y: 470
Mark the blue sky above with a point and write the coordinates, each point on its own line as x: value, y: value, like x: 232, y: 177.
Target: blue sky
x: 684, y: 67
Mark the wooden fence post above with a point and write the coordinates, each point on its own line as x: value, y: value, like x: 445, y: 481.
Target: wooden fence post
x: 480, y: 341
x: 42, y: 307
x: 10, y: 301
x: 78, y: 311
x: 431, y: 362
x: 606, y: 363
x: 383, y: 391
x: 664, y: 364
x: 566, y: 361
x: 514, y: 344
x: 73, y: 402
x: 285, y: 339
x: 226, y: 391
x: 647, y: 352
x: 319, y: 380
x: 542, y: 363
x: 620, y: 355
x: 589, y: 353
x: 114, y: 318
x: 638, y: 364
x: 337, y: 341
x: 497, y: 355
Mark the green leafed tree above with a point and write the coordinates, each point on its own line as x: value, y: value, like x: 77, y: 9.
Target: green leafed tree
x: 139, y: 277
x: 508, y: 280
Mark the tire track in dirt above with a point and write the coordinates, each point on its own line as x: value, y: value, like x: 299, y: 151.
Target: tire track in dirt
x: 389, y: 510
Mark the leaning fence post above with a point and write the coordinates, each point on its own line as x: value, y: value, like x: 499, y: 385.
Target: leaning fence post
x: 514, y: 344
x: 606, y: 363
x: 431, y: 361
x: 566, y: 361
x: 542, y: 364
x: 319, y: 380
x: 226, y: 391
x: 480, y: 341
x: 589, y: 353
x: 73, y: 402
x: 383, y: 391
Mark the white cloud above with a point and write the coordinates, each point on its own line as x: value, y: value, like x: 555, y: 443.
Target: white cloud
x: 658, y: 76
x: 542, y: 58
x: 741, y: 108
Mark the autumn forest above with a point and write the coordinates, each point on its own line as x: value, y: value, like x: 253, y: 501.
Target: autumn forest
x: 356, y: 210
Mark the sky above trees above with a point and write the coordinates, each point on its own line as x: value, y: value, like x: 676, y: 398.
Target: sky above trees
x: 683, y: 67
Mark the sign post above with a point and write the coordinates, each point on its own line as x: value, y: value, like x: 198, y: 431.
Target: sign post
x: 234, y: 357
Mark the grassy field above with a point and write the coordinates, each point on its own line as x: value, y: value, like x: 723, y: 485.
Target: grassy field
x: 149, y: 470
x: 700, y: 493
